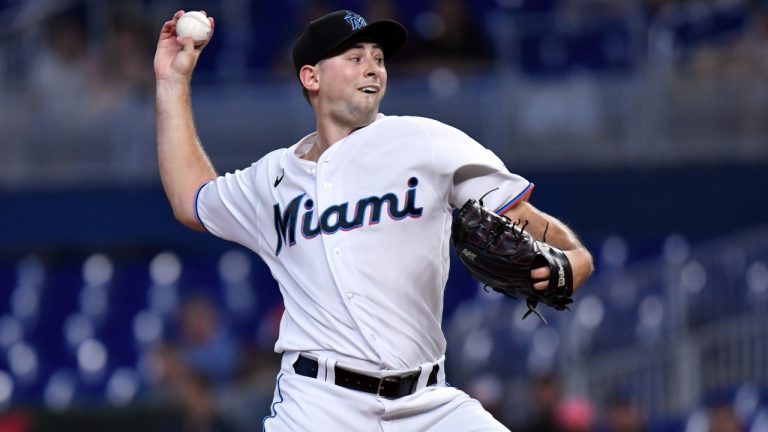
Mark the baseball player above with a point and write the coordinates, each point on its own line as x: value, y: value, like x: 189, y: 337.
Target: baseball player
x: 354, y: 222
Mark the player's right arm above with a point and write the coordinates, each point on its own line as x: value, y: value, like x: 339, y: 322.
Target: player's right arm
x: 184, y: 165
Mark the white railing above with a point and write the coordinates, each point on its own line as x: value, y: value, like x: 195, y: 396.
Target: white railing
x: 672, y: 374
x: 717, y: 298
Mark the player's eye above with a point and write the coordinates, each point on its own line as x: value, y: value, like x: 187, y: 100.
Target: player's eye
x: 379, y: 61
x: 355, y: 59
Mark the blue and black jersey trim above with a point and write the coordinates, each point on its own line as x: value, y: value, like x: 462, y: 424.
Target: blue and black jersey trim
x: 274, y: 404
x: 197, y: 195
x: 522, y: 196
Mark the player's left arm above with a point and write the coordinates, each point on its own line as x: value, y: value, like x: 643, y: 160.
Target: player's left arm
x: 557, y: 235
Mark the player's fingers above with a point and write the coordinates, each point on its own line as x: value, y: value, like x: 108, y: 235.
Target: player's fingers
x: 166, y: 30
x: 188, y: 43
x: 170, y: 25
x: 541, y: 273
x: 541, y: 285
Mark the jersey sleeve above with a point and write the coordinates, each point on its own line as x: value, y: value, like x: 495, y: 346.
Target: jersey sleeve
x: 469, y: 170
x: 227, y: 207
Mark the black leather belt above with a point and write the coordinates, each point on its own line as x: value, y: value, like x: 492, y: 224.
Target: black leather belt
x: 390, y: 387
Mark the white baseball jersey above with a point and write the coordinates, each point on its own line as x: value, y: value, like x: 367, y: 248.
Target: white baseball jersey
x: 359, y: 240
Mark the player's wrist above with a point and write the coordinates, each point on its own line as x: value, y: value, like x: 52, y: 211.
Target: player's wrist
x: 171, y: 84
x: 581, y: 264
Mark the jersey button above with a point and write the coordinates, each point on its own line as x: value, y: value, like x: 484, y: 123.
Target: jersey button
x: 312, y: 170
x: 350, y: 295
x: 327, y: 185
x: 337, y: 251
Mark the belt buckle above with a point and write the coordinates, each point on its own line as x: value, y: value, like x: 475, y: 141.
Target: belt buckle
x: 391, y: 379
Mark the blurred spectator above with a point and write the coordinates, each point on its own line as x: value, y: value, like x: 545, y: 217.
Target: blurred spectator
x: 129, y: 75
x: 200, y: 406
x: 546, y: 392
x: 63, y: 65
x: 552, y: 411
x: 382, y: 9
x: 216, y: 382
x: 489, y: 391
x: 85, y: 104
x: 624, y: 415
x: 204, y: 342
x: 125, y: 93
x: 575, y: 414
x: 723, y: 418
x: 199, y: 367
x: 249, y: 401
x: 63, y: 85
x: 189, y: 391
x: 447, y: 36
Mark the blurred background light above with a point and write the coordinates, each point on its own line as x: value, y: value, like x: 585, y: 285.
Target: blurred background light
x: 614, y: 251
x: 11, y: 331
x: 59, y: 391
x: 25, y: 302
x: 651, y: 311
x: 165, y: 268
x: 147, y: 327
x: 122, y: 387
x: 97, y: 270
x: 23, y: 362
x: 757, y: 277
x: 546, y: 342
x: 163, y: 299
x: 444, y: 82
x: 693, y: 277
x: 92, y: 359
x: 697, y: 422
x: 6, y: 389
x: 234, y: 266
x: 590, y: 312
x: 623, y: 291
x: 478, y: 346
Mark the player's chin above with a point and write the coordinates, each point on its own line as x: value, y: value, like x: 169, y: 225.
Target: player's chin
x: 368, y: 103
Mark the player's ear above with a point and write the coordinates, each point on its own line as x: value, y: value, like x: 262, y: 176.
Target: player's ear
x: 308, y: 77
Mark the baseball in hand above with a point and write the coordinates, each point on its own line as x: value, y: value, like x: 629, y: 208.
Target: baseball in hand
x: 195, y: 25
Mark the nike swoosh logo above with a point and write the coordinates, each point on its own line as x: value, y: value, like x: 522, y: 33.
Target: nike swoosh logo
x: 279, y: 179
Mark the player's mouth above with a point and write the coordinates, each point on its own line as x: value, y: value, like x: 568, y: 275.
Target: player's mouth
x: 369, y: 89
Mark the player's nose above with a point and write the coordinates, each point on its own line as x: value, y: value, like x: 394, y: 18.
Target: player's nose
x: 371, y: 67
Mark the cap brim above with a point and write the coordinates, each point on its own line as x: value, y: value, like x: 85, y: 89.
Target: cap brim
x: 388, y: 34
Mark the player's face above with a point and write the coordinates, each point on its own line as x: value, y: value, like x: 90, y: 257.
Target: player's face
x: 352, y: 84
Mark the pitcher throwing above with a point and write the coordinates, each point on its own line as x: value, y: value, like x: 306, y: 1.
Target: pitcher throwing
x: 354, y: 221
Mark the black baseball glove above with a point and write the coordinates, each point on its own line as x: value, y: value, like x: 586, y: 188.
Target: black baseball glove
x: 501, y: 255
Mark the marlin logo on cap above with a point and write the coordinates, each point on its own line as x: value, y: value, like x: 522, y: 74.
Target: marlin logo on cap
x: 356, y: 21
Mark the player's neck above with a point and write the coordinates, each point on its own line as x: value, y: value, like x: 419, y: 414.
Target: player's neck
x: 330, y: 132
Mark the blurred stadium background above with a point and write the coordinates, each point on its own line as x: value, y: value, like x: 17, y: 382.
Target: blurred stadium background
x: 643, y: 124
